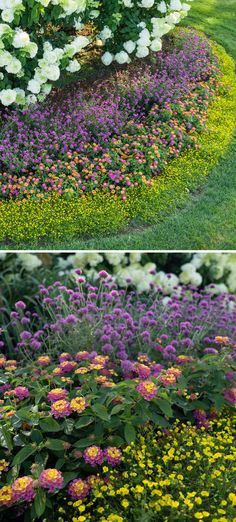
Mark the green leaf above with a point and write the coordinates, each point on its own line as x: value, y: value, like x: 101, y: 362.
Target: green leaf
x: 25, y: 414
x: 218, y: 401
x: 40, y: 502
x: 84, y: 421
x: 68, y: 426
x: 117, y: 409
x: 116, y: 441
x: 6, y: 436
x: 159, y: 420
x: 130, y: 433
x: 164, y: 406
x: 101, y: 412
x: 23, y: 454
x: 55, y: 444
x: 36, y: 436
x: 82, y: 443
x: 49, y: 424
x: 68, y: 476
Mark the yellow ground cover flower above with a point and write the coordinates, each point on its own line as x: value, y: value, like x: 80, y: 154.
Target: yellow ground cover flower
x: 179, y: 490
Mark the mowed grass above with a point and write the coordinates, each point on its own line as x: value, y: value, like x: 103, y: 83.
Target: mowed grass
x: 208, y: 221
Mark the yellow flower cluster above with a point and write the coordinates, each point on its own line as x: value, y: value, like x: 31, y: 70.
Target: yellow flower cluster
x: 185, y: 474
x: 58, y: 217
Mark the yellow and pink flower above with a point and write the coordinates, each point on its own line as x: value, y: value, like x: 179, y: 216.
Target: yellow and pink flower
x: 23, y: 489
x: 44, y: 360
x: 51, y: 479
x: 147, y: 389
x: 93, y: 455
x: 78, y: 489
x: 78, y: 404
x: 113, y: 456
x: 57, y: 394
x: 61, y: 408
x: 6, y: 496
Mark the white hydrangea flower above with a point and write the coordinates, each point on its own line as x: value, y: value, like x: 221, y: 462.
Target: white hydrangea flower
x: 128, y: 3
x: 31, y: 99
x: 46, y: 88
x: 114, y: 258
x: 175, y: 5
x: 106, y: 33
x: 135, y: 257
x: 29, y: 261
x: 7, y: 96
x: 4, y: 28
x: 129, y: 46
x: 78, y: 25
x: 20, y: 96
x: 144, y: 38
x: 94, y: 13
x: 52, y: 72
x: 107, y: 58
x: 94, y: 258
x: 162, y: 7
x: 196, y: 279
x: 80, y: 42
x: 21, y: 39
x: 185, y: 7
x: 5, y: 58
x: 147, y: 3
x: 7, y: 15
x: 173, y: 18
x: 142, y: 51
x: 121, y: 57
x: 32, y: 49
x: 34, y: 86
x: 14, y: 67
x: 156, y: 45
x: 45, y: 3
x: 74, y: 66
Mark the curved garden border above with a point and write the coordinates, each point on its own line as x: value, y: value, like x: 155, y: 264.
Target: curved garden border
x: 59, y: 217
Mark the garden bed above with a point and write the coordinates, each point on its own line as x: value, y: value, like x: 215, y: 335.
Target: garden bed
x: 151, y: 187
x: 87, y: 372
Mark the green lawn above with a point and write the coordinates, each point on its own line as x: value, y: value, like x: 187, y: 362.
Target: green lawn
x: 208, y: 221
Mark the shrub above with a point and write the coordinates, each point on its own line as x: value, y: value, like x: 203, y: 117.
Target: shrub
x: 36, y: 44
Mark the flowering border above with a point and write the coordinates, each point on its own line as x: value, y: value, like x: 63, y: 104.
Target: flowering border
x: 58, y: 217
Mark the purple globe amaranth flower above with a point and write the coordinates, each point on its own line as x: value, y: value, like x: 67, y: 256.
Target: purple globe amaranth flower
x: 212, y: 351
x: 20, y: 305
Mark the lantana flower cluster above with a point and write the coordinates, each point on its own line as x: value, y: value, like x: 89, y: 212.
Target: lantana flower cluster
x: 31, y: 56
x: 83, y: 141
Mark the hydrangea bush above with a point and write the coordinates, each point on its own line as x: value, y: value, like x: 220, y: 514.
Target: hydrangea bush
x: 20, y: 273
x: 36, y: 43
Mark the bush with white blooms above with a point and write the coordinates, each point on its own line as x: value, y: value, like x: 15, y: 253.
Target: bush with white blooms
x: 40, y: 38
